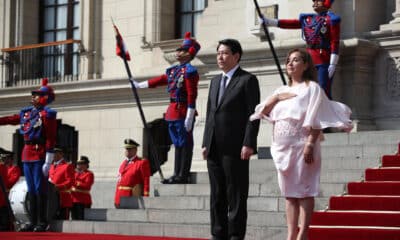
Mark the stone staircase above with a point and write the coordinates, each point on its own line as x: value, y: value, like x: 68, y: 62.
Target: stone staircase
x: 183, y: 210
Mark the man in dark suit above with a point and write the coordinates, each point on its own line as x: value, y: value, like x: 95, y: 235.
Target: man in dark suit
x: 229, y: 141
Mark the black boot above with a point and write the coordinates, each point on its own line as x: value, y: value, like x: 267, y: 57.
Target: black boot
x: 177, y: 167
x: 185, y: 164
x: 32, y: 213
x: 42, y: 224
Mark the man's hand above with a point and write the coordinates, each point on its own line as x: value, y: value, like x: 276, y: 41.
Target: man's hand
x: 246, y: 153
x: 204, y: 153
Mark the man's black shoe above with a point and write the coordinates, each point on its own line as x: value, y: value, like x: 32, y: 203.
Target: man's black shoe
x: 40, y: 228
x: 170, y: 180
x: 27, y: 228
x: 179, y: 180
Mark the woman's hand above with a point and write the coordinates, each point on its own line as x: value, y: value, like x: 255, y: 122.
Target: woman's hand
x: 308, y: 153
x: 284, y: 96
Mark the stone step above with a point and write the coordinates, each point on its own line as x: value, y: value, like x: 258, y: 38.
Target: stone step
x: 270, y: 175
x: 158, y: 191
x: 255, y: 189
x: 161, y: 229
x: 387, y: 137
x: 258, y: 168
x: 254, y: 203
x: 179, y: 216
x: 182, y: 210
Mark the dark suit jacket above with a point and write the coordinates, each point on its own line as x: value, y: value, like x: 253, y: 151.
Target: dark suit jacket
x: 227, y: 123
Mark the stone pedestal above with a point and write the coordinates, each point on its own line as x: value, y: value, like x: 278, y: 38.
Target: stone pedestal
x: 356, y: 75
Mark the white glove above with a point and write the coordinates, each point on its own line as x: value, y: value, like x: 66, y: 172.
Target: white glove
x: 144, y: 84
x: 189, y: 119
x: 332, y: 64
x: 268, y: 21
x: 47, y: 163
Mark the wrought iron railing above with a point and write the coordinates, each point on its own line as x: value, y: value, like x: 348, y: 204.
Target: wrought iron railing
x: 26, y: 65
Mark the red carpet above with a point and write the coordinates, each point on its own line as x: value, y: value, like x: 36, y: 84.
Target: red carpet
x: 358, y: 218
x: 391, y: 161
x: 369, y: 211
x: 383, y: 174
x: 365, y: 202
x: 77, y: 236
x: 343, y: 233
x: 374, y: 188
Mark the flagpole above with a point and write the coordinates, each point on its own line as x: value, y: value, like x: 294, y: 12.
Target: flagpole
x: 271, y: 46
x: 139, y: 105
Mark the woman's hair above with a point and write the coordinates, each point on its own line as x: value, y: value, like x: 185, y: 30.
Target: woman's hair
x: 310, y: 74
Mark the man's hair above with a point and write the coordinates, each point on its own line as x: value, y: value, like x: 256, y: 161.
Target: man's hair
x: 233, y: 44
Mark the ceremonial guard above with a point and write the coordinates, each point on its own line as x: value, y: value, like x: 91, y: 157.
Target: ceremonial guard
x: 84, y: 180
x: 133, y: 174
x: 61, y: 174
x: 13, y: 171
x: 182, y: 81
x: 321, y: 31
x: 39, y: 129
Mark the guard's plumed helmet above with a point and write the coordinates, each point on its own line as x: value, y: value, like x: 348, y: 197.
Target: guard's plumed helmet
x: 327, y: 3
x: 190, y: 45
x: 46, y: 93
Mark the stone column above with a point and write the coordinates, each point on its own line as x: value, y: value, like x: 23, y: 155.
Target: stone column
x: 396, y: 14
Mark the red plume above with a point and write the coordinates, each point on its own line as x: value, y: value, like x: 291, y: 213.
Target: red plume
x: 187, y: 35
x: 192, y: 51
x: 45, y: 81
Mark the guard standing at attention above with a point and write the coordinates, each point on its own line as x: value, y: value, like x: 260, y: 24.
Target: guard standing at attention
x: 81, y: 197
x: 133, y: 174
x: 61, y: 174
x: 38, y: 125
x: 321, y: 31
x: 182, y: 81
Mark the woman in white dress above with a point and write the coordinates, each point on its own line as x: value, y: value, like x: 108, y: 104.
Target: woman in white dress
x: 299, y: 112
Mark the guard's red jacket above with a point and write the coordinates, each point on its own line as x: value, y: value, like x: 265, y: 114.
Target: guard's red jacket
x: 181, y: 81
x: 81, y: 188
x: 13, y: 174
x: 39, y: 128
x: 137, y: 171
x: 320, y: 31
x: 61, y: 174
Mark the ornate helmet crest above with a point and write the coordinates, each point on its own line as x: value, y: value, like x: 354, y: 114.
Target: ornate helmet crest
x: 326, y: 3
x: 190, y: 45
x: 46, y: 93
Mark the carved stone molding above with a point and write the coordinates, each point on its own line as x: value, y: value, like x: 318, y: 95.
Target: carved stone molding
x: 169, y: 47
x: 393, y: 77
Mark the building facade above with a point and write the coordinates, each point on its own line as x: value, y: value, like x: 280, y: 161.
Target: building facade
x: 73, y: 44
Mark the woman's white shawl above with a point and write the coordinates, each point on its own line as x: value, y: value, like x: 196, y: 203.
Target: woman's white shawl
x: 311, y: 103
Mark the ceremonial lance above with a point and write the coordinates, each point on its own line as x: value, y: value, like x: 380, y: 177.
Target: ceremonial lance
x: 271, y: 46
x: 124, y: 54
